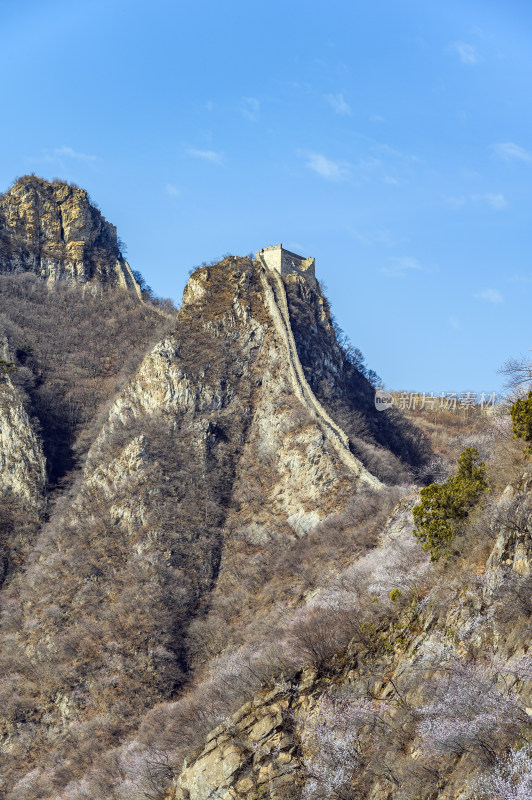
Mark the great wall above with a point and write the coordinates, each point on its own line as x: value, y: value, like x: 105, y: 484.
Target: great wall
x: 275, y: 262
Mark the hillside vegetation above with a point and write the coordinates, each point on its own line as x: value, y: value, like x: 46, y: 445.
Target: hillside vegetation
x: 203, y: 595
x: 72, y: 347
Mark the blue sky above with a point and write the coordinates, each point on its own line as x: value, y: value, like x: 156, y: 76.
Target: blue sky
x: 391, y: 140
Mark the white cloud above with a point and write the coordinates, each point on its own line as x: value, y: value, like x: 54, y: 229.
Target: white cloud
x: 304, y: 87
x: 454, y: 323
x: 522, y: 279
x: 399, y: 267
x: 467, y: 53
x: 250, y: 108
x: 380, y: 163
x: 511, y: 151
x: 69, y: 152
x: 172, y: 190
x: 337, y: 102
x: 59, y: 154
x: 384, y: 149
x: 369, y: 164
x: 206, y: 155
x: 374, y: 236
x: 330, y: 170
x: 490, y: 295
x: 495, y: 201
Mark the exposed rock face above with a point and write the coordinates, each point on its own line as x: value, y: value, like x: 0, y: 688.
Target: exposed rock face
x: 52, y: 230
x: 513, y: 545
x: 257, y: 753
x: 22, y: 464
x: 23, y: 479
x: 22, y: 472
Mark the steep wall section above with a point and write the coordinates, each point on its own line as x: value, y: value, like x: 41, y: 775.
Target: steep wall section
x: 52, y: 230
x: 386, y: 443
x: 278, y: 308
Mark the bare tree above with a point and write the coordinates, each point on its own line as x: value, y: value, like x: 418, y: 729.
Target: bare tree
x: 518, y: 373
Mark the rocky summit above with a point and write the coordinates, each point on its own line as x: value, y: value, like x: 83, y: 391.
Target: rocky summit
x: 214, y: 582
x: 54, y: 231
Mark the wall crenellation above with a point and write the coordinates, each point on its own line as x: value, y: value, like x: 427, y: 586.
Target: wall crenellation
x: 287, y: 263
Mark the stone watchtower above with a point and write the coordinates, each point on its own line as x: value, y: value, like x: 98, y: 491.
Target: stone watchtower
x: 287, y: 263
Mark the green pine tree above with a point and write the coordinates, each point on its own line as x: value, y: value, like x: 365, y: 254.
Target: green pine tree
x: 521, y: 413
x: 444, y: 507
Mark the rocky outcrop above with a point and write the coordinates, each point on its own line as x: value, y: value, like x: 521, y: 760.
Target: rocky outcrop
x: 22, y: 464
x: 53, y: 230
x: 513, y: 545
x: 22, y: 477
x: 305, y: 457
x: 256, y: 753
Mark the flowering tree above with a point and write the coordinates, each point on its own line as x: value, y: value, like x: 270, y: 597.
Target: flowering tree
x: 510, y: 779
x: 339, y: 738
x: 470, y: 711
x: 398, y: 562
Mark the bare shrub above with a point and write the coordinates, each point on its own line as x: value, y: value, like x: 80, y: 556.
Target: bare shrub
x: 69, y: 374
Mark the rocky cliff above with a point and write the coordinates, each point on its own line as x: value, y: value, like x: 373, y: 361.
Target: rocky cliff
x: 23, y: 479
x: 53, y: 230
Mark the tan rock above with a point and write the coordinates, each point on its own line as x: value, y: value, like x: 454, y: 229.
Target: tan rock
x: 53, y: 230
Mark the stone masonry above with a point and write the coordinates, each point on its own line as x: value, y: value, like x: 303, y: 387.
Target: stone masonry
x: 287, y: 263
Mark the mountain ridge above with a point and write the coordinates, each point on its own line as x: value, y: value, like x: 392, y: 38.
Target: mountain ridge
x: 263, y: 473
x: 210, y: 582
